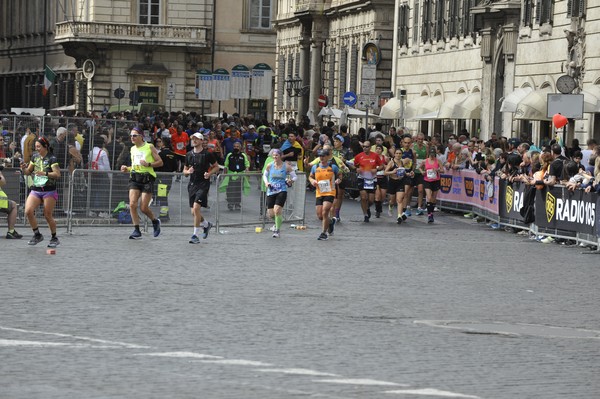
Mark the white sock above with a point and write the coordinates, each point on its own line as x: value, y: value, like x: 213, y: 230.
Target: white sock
x: 204, y: 223
x: 196, y: 230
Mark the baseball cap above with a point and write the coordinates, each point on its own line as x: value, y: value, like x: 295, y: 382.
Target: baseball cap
x: 339, y: 137
x: 198, y: 135
x: 514, y: 141
x: 322, y: 152
x: 251, y: 127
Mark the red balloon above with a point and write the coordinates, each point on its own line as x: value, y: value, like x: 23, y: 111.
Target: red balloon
x: 559, y: 120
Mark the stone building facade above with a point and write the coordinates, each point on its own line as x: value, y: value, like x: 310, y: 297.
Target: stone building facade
x: 152, y: 47
x: 487, y: 66
x: 326, y: 45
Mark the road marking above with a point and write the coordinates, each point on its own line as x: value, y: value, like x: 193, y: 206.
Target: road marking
x: 43, y: 344
x: 313, y: 373
x: 432, y: 392
x: 361, y: 381
x: 192, y: 355
x: 237, y: 362
x: 82, y: 338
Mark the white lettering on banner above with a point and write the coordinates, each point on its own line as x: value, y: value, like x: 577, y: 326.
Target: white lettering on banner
x: 518, y: 201
x: 575, y: 211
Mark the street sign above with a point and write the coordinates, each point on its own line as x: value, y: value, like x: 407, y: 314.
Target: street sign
x: 349, y: 98
x: 368, y: 101
x: 367, y: 86
x: 119, y: 93
x: 171, y: 89
x: 323, y: 100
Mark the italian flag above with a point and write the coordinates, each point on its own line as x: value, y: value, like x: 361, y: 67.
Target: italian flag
x: 49, y: 77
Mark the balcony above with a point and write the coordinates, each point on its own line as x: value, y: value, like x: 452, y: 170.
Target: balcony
x: 131, y: 34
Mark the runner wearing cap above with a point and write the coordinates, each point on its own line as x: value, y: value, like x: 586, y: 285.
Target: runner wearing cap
x: 200, y: 165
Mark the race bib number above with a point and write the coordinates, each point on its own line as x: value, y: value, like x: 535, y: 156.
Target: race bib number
x: 266, y: 148
x: 369, y: 184
x: 324, y: 186
x: 277, y: 187
x: 39, y: 181
x: 180, y: 146
x: 137, y: 159
x: 400, y: 172
x: 249, y: 147
x: 432, y: 174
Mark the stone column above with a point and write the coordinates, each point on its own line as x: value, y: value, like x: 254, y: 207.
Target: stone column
x: 304, y: 73
x: 316, y: 60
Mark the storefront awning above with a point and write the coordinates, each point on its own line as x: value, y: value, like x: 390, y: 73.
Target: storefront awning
x: 511, y: 101
x: 534, y: 106
x: 429, y: 109
x: 447, y: 107
x: 413, y: 107
x: 469, y: 108
x: 392, y: 109
x: 591, y: 99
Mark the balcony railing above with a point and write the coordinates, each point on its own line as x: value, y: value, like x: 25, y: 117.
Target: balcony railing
x: 113, y: 33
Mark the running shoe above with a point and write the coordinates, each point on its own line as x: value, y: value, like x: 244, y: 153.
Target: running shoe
x: 495, y: 226
x: 136, y: 235
x: 53, y: 242
x: 430, y: 218
x: 399, y: 220
x: 273, y: 228
x: 36, y: 239
x: 547, y: 240
x: 420, y: 211
x: 276, y: 234
x: 13, y: 236
x: 408, y: 212
x: 377, y: 214
x: 404, y: 216
x: 331, y: 226
x: 156, y: 227
x: 366, y: 219
x: 322, y: 237
x: 469, y: 215
x: 206, y: 230
x: 369, y: 213
x: 194, y: 239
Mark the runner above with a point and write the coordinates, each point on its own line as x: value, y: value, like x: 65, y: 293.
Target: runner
x: 409, y: 160
x: 277, y: 181
x: 396, y: 172
x: 367, y: 164
x: 382, y: 181
x: 144, y: 157
x: 340, y: 155
x: 431, y: 169
x: 200, y: 165
x: 45, y: 171
x: 420, y: 150
x: 324, y: 177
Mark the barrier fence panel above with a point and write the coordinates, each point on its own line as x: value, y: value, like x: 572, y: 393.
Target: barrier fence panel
x: 240, y: 200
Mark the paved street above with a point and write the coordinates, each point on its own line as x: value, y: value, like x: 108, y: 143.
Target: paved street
x: 453, y: 310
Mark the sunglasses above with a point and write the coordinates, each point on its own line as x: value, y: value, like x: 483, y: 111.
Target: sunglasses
x: 134, y: 135
x: 366, y: 146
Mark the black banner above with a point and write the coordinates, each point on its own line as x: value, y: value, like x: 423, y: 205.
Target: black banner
x: 511, y: 199
x: 559, y: 208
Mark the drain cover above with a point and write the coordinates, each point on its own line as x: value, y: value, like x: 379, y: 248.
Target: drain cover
x: 512, y: 330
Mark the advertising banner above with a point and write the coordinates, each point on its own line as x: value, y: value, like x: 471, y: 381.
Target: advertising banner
x: 262, y: 82
x: 511, y: 195
x: 468, y: 187
x: 562, y: 209
x: 220, y: 85
x: 240, y: 82
x: 203, y: 87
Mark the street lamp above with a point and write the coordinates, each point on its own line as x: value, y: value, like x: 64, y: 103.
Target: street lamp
x: 294, y: 88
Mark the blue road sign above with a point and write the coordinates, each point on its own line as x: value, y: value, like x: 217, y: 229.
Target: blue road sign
x: 350, y: 98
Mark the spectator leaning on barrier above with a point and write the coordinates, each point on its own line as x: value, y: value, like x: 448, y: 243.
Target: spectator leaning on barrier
x: 556, y: 167
x: 9, y: 207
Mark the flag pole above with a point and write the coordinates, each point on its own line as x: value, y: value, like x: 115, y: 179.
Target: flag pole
x: 45, y: 99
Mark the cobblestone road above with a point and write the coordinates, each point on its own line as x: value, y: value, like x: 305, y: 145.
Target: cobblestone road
x: 453, y: 309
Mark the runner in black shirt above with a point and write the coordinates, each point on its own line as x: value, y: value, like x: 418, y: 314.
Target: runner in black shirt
x: 199, y: 166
